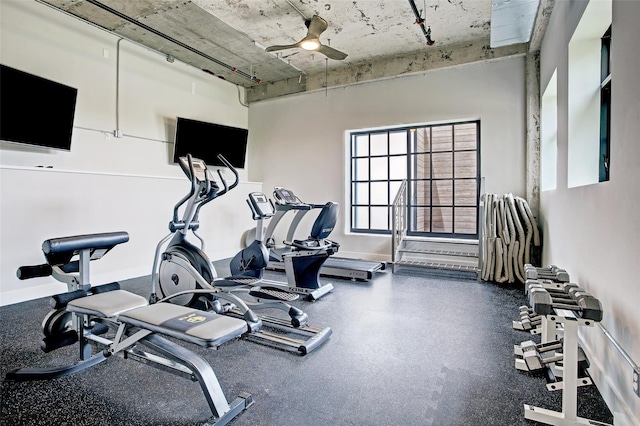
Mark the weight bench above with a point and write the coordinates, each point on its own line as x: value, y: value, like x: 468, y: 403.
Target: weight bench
x: 134, y: 322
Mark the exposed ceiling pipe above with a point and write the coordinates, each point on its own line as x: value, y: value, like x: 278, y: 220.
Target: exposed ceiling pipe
x: 420, y: 22
x: 240, y: 98
x: 173, y: 40
x: 118, y: 133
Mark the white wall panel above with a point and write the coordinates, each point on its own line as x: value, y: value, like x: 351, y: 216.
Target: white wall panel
x: 302, y: 137
x: 106, y: 183
x: 593, y: 230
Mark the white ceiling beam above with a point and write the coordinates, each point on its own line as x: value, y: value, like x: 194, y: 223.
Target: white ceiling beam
x: 430, y: 59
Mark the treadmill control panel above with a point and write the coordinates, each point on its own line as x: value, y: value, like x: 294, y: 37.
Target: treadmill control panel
x: 285, y: 196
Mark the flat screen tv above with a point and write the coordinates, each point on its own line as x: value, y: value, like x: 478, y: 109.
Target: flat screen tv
x: 206, y: 140
x: 34, y: 110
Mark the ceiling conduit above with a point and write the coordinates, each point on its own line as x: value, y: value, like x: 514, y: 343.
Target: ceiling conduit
x: 173, y: 40
x: 420, y: 21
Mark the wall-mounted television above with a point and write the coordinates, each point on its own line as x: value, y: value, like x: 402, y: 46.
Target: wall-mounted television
x: 206, y: 140
x: 34, y: 110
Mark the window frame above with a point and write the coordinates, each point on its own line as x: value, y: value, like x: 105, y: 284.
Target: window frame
x: 409, y: 153
x: 353, y: 181
x: 604, y: 160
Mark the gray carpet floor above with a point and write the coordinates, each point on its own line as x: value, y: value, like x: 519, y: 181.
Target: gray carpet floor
x: 406, y: 349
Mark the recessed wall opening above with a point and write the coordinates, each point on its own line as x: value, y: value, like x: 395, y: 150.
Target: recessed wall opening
x: 549, y: 135
x: 584, y: 87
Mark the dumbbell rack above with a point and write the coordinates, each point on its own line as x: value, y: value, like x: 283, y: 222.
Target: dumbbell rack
x: 550, y: 330
x: 570, y: 381
x: 533, y: 322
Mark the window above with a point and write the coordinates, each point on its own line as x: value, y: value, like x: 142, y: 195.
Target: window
x: 440, y: 163
x: 588, y: 96
x: 605, y: 105
x: 378, y: 167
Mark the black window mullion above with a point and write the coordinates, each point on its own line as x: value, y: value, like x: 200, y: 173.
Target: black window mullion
x: 388, y: 179
x: 428, y: 179
x: 453, y: 179
x: 605, y: 107
x: 352, y: 178
x: 369, y: 185
x: 430, y: 151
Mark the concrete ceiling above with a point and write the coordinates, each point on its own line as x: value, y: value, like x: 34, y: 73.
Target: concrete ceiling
x: 227, y: 38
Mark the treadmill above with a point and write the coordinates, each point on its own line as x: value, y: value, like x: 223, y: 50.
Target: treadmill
x: 340, y: 267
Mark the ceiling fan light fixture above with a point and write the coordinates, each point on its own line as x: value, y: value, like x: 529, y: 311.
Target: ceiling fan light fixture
x: 310, y: 45
x: 311, y: 42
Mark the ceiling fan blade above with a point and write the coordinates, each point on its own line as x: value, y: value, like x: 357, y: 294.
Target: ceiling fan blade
x: 281, y: 47
x: 331, y: 53
x: 316, y: 26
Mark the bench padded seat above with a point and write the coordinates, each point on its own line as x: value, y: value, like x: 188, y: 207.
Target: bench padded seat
x: 191, y: 325
x: 108, y: 304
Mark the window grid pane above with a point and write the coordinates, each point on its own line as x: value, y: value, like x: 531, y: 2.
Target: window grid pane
x: 442, y: 138
x: 442, y: 219
x: 380, y: 168
x: 465, y: 137
x: 442, y: 192
x: 465, y: 220
x: 360, y: 146
x: 379, y: 193
x: 398, y: 143
x: 379, y: 144
x: 441, y: 165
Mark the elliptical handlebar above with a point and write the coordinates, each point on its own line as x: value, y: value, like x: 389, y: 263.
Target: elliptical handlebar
x: 192, y: 174
x: 224, y: 182
x: 203, y: 189
x: 225, y: 188
x: 192, y: 191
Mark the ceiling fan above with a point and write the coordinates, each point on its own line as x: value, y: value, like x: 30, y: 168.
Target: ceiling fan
x: 315, y: 26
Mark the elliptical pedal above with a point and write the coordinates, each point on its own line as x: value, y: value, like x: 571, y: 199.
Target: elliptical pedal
x: 239, y: 280
x: 272, y: 293
x: 301, y: 340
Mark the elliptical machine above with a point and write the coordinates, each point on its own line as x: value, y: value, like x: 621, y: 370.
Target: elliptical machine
x: 184, y: 274
x: 172, y: 269
x: 183, y: 267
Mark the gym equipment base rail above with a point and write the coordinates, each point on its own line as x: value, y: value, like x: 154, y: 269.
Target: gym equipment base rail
x: 342, y: 267
x: 311, y: 337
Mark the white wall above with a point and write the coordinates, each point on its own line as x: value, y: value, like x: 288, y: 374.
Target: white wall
x: 549, y: 135
x: 593, y: 231
x: 106, y: 183
x: 302, y: 137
